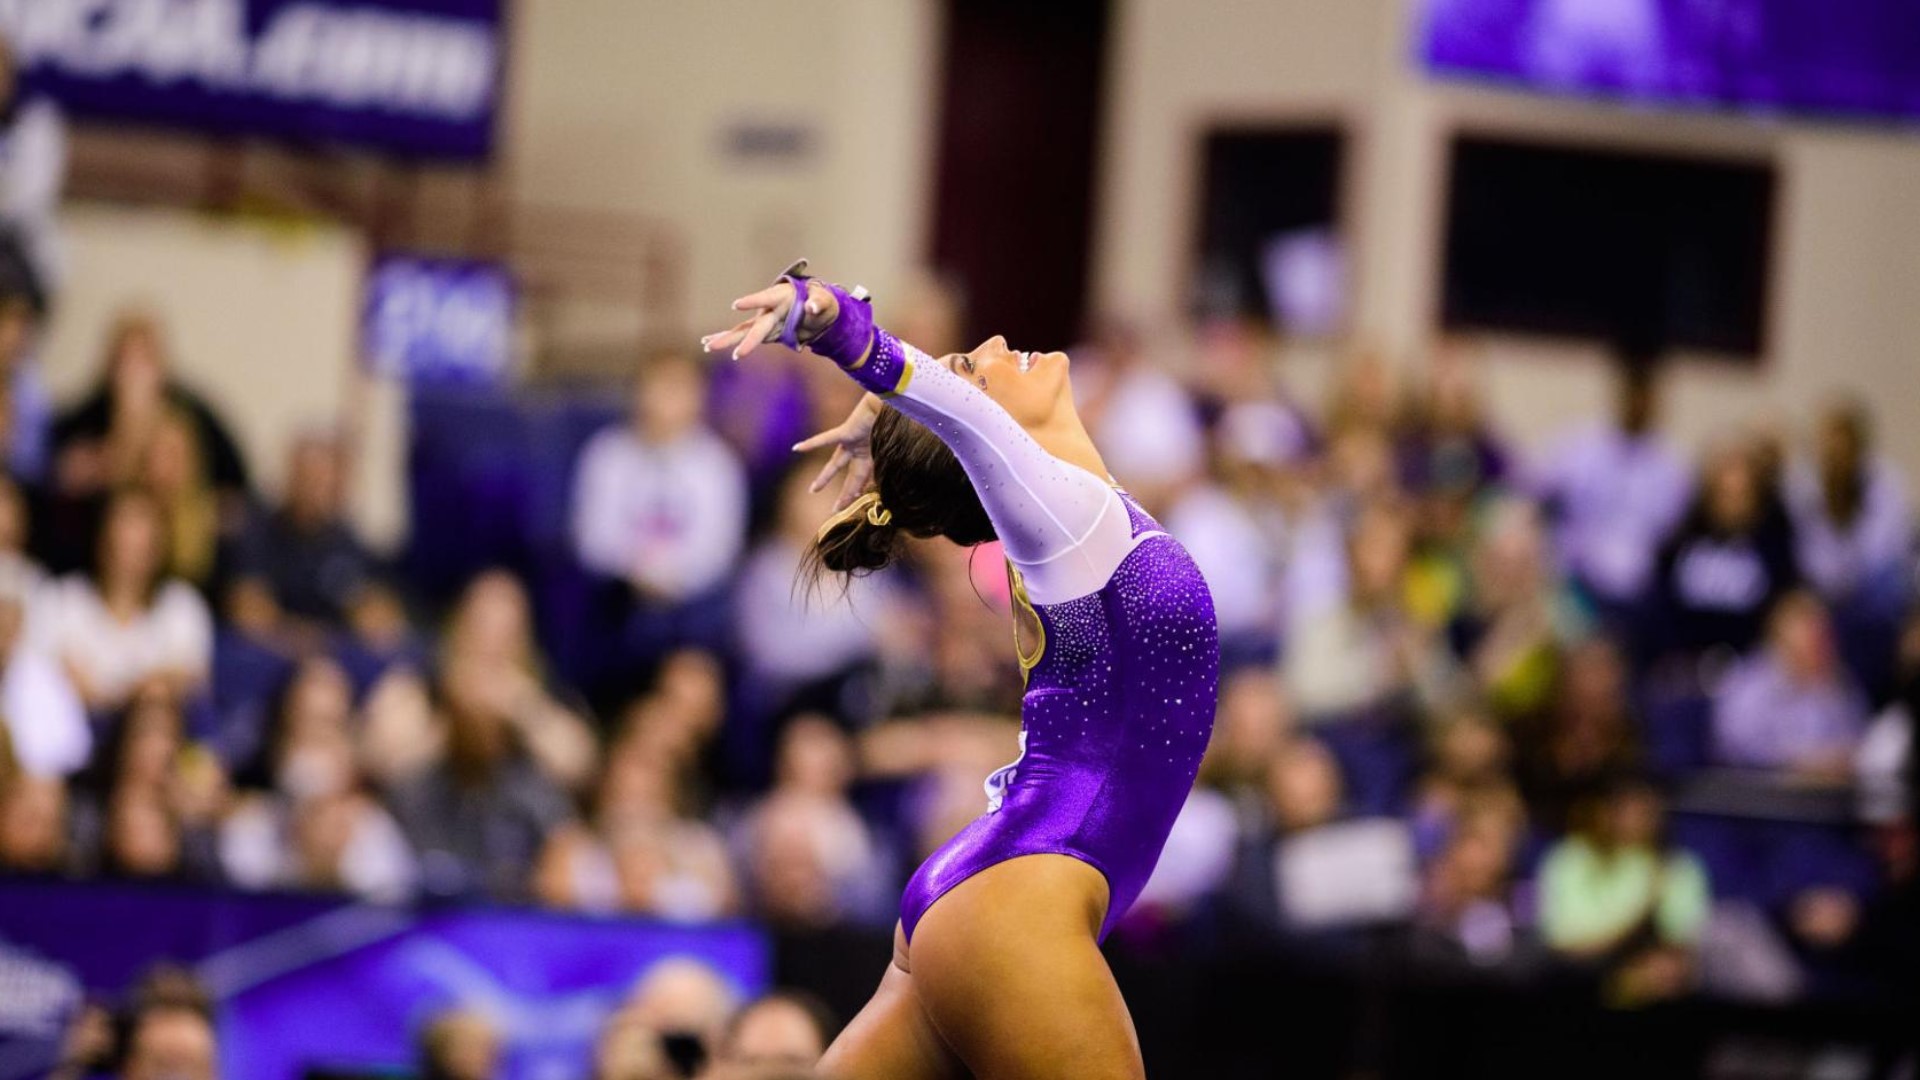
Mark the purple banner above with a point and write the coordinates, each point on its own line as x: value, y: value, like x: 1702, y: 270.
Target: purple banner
x: 1860, y: 57
x: 414, y: 77
x: 439, y: 320
x: 375, y: 974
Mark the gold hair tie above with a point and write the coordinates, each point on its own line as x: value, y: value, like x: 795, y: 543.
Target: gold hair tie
x: 868, y: 504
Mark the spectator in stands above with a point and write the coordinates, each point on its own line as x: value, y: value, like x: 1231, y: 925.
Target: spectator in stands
x: 33, y: 824
x: 646, y: 852
x: 687, y: 1003
x: 781, y: 1030
x: 401, y: 736
x: 16, y: 529
x: 1254, y: 721
x: 1791, y: 706
x: 39, y: 707
x: 1465, y: 920
x: 172, y: 472
x: 489, y: 663
x: 1855, y: 531
x: 102, y: 443
x: 804, y: 863
x: 1519, y: 620
x: 1365, y: 395
x: 169, y: 1040
x: 1614, y: 494
x: 1849, y: 504
x: 1445, y: 444
x: 460, y: 1044
x: 479, y: 815
x: 1731, y: 559
x: 660, y: 511
x: 1361, y: 652
x: 800, y: 650
x: 126, y: 624
x: 1233, y: 525
x: 1469, y: 773
x: 310, y: 827
x: 1309, y: 869
x: 838, y: 865
x: 305, y: 550
x: 27, y: 418
x: 379, y: 637
x: 33, y: 172
x: 142, y: 839
x: 1589, y: 733
x: 1145, y: 422
x: 628, y: 1049
x: 1615, y: 897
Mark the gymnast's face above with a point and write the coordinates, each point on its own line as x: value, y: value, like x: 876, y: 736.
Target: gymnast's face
x: 1032, y: 387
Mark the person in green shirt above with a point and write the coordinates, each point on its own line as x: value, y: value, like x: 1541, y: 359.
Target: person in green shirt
x: 1615, y: 898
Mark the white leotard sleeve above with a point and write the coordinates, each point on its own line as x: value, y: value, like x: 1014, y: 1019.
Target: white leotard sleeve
x: 1064, y: 528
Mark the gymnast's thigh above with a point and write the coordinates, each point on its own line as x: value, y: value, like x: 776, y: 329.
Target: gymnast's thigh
x: 1007, y: 965
x: 891, y: 1038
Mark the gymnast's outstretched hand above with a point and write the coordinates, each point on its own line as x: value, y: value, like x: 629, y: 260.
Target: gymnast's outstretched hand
x: 770, y: 307
x: 852, y: 451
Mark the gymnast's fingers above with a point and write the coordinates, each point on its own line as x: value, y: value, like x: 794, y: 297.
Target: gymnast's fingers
x: 830, y: 437
x: 858, y: 479
x: 834, y: 464
x: 721, y: 340
x: 775, y: 298
x: 756, y: 334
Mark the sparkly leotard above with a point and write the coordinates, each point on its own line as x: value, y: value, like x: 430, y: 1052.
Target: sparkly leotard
x: 1121, y: 689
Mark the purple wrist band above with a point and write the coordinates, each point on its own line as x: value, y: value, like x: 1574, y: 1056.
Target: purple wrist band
x: 846, y: 341
x: 790, y: 334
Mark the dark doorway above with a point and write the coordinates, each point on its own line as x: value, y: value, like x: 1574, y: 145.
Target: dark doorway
x: 1013, y: 195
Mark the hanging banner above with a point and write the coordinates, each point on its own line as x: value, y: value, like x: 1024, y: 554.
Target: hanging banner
x: 306, y: 984
x: 1860, y: 57
x: 419, y: 78
x: 438, y: 321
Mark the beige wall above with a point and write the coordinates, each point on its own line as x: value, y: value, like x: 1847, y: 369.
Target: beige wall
x: 1846, y: 293
x: 260, y: 319
x: 625, y: 105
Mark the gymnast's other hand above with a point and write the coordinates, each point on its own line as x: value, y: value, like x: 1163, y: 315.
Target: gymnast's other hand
x: 770, y: 307
x: 852, y: 451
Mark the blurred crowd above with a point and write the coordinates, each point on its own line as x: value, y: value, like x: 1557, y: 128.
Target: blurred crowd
x: 681, y: 1020
x: 1601, y: 711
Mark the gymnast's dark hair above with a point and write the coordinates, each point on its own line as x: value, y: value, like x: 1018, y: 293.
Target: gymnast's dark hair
x: 919, y: 490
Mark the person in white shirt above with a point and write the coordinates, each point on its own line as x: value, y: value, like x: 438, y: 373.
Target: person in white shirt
x: 1234, y: 527
x: 660, y: 507
x: 791, y: 640
x: 1615, y: 493
x: 33, y: 172
x: 39, y: 709
x: 1144, y: 421
x: 125, y: 624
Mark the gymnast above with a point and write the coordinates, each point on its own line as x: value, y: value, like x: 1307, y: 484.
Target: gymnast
x: 997, y: 971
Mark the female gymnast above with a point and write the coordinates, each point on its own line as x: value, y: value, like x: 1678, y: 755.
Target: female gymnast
x: 997, y: 970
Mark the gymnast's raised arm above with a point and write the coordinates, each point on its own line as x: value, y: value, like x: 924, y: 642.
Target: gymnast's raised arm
x: 1060, y: 521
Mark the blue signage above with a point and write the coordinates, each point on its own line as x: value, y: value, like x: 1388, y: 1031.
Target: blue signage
x: 303, y: 982
x: 439, y: 320
x: 415, y: 77
x: 1859, y: 57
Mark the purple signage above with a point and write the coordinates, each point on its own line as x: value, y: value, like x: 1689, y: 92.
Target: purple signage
x: 275, y: 964
x: 1859, y: 57
x: 415, y: 77
x: 439, y: 320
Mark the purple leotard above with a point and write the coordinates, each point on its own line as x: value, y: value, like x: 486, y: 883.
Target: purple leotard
x: 1120, y: 696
